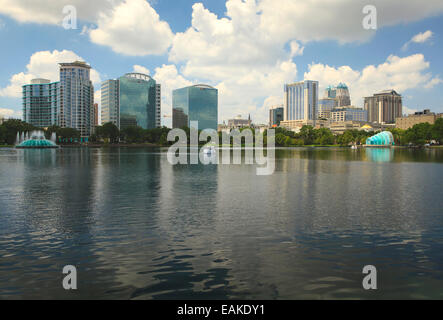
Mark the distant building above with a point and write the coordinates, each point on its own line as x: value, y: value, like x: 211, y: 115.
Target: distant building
x: 76, y: 98
x: 132, y: 100
x: 95, y: 114
x: 238, y: 122
x: 342, y: 126
x: 2, y: 119
x: 349, y: 113
x: 384, y: 107
x: 408, y: 122
x: 342, y: 95
x: 41, y: 102
x: 110, y: 102
x: 301, y: 101
x: 276, y: 115
x: 195, y: 103
x: 325, y: 107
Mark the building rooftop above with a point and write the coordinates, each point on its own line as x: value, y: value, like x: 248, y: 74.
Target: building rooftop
x: 75, y: 64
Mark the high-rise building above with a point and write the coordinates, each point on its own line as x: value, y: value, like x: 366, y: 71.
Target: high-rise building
x: 342, y: 95
x: 110, y: 102
x: 276, y: 115
x: 301, y: 101
x: 349, y: 113
x: 384, y: 107
x: 132, y: 100
x: 195, y: 103
x: 40, y: 102
x: 325, y: 107
x: 76, y: 104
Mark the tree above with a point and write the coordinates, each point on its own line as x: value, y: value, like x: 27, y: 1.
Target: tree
x: 307, y: 133
x: 133, y: 134
x: 437, y: 131
x: 108, y: 131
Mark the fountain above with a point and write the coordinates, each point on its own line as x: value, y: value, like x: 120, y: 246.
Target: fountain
x: 36, y: 140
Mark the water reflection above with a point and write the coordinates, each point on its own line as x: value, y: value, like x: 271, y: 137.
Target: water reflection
x: 137, y: 227
x: 380, y: 154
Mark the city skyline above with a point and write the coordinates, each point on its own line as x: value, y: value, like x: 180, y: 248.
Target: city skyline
x: 194, y: 44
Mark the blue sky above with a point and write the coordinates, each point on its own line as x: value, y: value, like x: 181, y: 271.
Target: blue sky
x: 243, y: 47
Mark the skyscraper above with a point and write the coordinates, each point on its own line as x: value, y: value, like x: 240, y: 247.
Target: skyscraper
x: 384, y: 107
x: 110, y: 102
x: 342, y: 95
x: 132, y: 100
x: 276, y: 115
x: 40, y: 102
x: 195, y: 103
x: 301, y: 101
x: 95, y: 114
x: 325, y: 107
x: 76, y: 104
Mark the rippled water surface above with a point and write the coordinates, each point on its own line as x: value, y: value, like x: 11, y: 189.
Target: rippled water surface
x: 138, y: 228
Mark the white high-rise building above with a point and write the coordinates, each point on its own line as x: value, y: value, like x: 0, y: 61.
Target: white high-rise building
x: 110, y: 102
x: 301, y: 101
x: 76, y: 104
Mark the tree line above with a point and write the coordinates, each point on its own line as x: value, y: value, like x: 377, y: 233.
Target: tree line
x: 418, y: 135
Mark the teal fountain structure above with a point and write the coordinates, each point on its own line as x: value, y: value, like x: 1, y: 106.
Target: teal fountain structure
x: 35, y: 140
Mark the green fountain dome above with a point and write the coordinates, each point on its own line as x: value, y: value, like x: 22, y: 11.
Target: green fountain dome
x: 37, y: 141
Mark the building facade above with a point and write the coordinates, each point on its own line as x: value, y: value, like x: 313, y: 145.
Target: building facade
x: 239, y: 122
x: 132, y: 100
x: 384, y: 107
x: 325, y: 107
x: 76, y: 105
x: 343, y: 97
x: 40, y: 102
x: 349, y: 114
x: 276, y: 115
x: 195, y: 103
x: 301, y: 101
x: 408, y: 122
x: 110, y: 102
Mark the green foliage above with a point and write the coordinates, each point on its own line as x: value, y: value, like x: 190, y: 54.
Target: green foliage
x: 437, y: 131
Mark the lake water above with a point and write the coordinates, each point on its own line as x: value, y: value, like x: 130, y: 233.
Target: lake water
x: 137, y: 227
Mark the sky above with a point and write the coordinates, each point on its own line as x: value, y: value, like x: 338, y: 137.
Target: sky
x: 247, y: 49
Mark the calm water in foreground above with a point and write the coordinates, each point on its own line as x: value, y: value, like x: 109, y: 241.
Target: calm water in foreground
x: 138, y: 228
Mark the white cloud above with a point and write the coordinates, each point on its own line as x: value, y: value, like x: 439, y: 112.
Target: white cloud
x: 133, y: 28
x: 43, y: 64
x: 9, y: 113
x: 170, y: 79
x: 396, y: 73
x: 2, y: 24
x: 296, y: 49
x: 51, y: 12
x: 419, y: 38
x: 140, y: 69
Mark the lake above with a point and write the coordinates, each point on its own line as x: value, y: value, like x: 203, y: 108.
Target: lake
x: 136, y: 227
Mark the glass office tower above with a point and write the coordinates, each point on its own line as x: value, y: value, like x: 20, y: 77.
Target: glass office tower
x: 132, y: 100
x: 195, y: 103
x: 40, y: 100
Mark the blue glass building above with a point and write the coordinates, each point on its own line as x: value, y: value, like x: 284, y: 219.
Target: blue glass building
x: 132, y: 100
x: 195, y: 103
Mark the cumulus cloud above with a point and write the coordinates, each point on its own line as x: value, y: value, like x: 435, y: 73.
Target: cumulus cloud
x: 9, y: 113
x: 140, y: 69
x: 43, y: 64
x: 133, y: 28
x: 395, y: 73
x: 419, y: 38
x: 170, y: 79
x: 51, y: 12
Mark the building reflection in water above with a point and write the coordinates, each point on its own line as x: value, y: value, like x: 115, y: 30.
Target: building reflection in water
x: 380, y: 154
